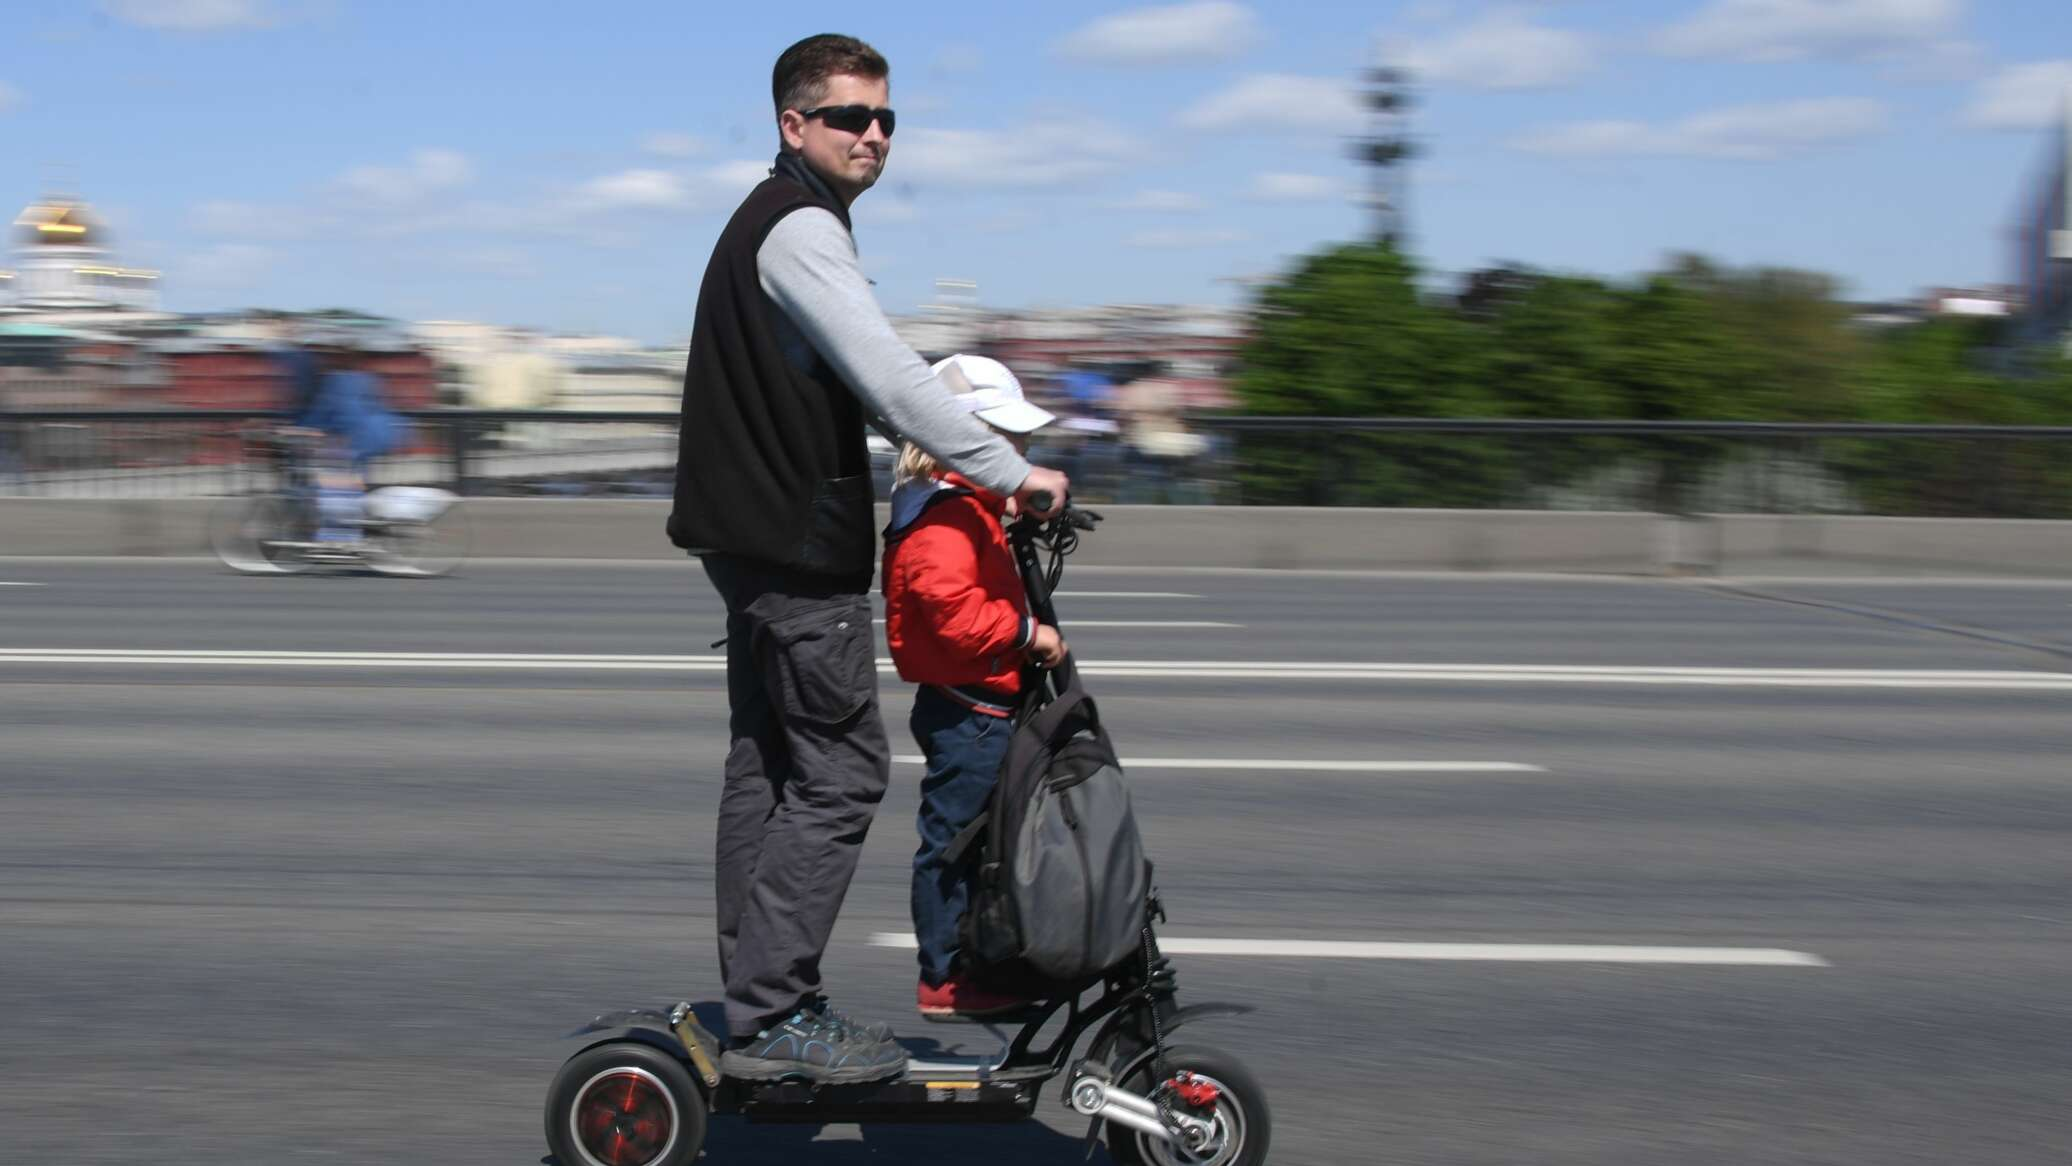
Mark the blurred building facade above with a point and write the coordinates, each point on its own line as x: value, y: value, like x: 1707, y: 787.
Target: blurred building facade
x: 80, y: 331
x: 489, y: 366
x: 1191, y: 348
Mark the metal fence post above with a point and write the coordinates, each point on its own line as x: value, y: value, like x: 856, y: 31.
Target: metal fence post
x: 458, y: 434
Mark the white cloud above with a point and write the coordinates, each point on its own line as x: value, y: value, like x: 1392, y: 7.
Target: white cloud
x: 958, y: 60
x: 1271, y: 101
x: 191, y: 15
x: 607, y: 210
x: 473, y: 216
x: 1429, y: 12
x: 1740, y: 133
x: 2023, y: 97
x: 1174, y: 239
x: 1940, y: 63
x: 635, y: 190
x: 429, y: 172
x: 1171, y: 202
x: 502, y: 262
x: 1208, y: 30
x: 228, y: 266
x: 1051, y: 151
x: 645, y: 189
x: 1294, y: 188
x: 9, y: 97
x: 252, y: 220
x: 667, y: 144
x: 1594, y: 139
x: 1011, y: 222
x: 1774, y: 30
x: 884, y: 210
x: 913, y: 103
x: 1503, y: 49
x: 736, y: 179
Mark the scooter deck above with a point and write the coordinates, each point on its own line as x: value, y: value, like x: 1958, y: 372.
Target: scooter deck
x: 934, y: 1088
x: 903, y: 1099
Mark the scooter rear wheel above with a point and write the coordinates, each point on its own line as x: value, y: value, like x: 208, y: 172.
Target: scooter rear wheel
x: 1241, y: 1126
x: 624, y: 1104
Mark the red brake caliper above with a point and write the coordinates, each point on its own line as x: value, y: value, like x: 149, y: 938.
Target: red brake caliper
x: 1193, y: 1091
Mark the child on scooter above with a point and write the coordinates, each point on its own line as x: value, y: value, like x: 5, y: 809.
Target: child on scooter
x: 958, y: 624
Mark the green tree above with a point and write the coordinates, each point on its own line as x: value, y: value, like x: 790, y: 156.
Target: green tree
x: 1956, y: 371
x: 1788, y: 343
x: 1348, y: 334
x: 1549, y: 352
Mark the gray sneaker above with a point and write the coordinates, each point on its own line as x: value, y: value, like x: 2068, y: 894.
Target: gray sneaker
x: 817, y: 1048
x: 876, y: 1030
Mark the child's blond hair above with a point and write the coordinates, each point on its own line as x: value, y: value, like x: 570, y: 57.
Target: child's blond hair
x: 915, y: 463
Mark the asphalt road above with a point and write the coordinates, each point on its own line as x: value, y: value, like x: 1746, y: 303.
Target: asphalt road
x: 260, y: 910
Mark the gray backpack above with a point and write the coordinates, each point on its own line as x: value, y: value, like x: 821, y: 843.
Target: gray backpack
x: 1062, y: 881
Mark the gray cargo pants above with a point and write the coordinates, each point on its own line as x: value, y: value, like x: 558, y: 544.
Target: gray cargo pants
x: 806, y: 768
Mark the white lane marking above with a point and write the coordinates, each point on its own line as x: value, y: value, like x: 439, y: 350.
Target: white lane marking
x: 1168, y: 669
x: 1199, y: 763
x: 1148, y: 623
x: 1125, y: 595
x: 23, y: 584
x: 1137, y: 623
x: 1555, y: 953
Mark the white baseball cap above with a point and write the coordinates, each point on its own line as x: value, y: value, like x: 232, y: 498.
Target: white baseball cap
x: 985, y: 387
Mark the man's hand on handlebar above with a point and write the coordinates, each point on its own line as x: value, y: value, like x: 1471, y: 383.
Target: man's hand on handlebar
x: 1043, y: 492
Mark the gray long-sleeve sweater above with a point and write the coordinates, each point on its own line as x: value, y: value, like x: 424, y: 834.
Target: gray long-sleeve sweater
x: 807, y: 265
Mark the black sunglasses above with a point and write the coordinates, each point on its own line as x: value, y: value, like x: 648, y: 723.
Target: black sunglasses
x: 851, y: 119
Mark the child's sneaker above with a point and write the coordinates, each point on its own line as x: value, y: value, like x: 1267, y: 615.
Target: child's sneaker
x: 959, y: 999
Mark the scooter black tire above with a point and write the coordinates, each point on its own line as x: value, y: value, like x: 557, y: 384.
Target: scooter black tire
x: 1240, y: 1111
x: 624, y: 1104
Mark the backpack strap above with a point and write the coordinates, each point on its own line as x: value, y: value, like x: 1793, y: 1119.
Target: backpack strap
x: 954, y: 853
x: 1037, y: 727
x: 1042, y: 728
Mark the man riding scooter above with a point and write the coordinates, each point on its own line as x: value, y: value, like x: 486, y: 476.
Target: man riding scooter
x: 790, y: 356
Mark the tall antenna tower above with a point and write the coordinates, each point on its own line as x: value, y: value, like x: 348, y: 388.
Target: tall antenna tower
x: 1386, y: 150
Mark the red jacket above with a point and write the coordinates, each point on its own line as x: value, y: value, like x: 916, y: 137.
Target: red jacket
x: 955, y: 612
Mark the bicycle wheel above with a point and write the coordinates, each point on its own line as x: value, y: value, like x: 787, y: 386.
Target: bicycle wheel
x: 420, y: 550
x: 255, y: 535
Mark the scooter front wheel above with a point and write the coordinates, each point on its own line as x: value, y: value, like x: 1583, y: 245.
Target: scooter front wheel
x: 624, y: 1104
x: 1211, y: 1086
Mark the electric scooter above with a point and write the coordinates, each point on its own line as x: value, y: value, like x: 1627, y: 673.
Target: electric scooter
x: 639, y: 1089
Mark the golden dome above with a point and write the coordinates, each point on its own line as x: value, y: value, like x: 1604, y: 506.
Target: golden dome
x: 57, y: 222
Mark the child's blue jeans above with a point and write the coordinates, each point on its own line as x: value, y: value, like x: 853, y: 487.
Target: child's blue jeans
x: 964, y: 749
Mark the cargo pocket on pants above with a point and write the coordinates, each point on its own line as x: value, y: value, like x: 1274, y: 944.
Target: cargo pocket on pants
x: 822, y: 660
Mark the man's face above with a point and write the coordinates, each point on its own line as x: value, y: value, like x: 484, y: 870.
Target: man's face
x: 849, y: 162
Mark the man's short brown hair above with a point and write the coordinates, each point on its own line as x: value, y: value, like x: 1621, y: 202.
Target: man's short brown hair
x: 800, y: 79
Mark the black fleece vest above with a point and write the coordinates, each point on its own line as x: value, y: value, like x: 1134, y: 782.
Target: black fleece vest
x: 771, y: 460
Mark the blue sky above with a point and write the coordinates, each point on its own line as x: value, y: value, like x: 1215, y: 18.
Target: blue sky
x: 568, y: 166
